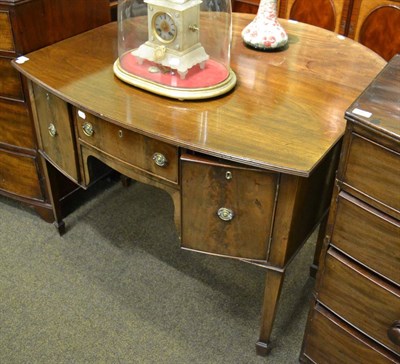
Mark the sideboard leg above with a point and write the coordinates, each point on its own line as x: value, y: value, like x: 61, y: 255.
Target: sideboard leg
x: 272, y: 291
x: 54, y: 195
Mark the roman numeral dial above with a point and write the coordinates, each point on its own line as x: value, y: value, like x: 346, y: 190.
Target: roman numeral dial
x: 164, y: 27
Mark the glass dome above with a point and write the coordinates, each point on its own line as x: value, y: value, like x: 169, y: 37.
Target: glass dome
x: 176, y: 48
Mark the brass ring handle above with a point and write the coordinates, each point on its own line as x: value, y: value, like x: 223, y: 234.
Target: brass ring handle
x: 225, y: 214
x: 52, y: 130
x: 87, y: 129
x: 393, y: 332
x: 160, y: 159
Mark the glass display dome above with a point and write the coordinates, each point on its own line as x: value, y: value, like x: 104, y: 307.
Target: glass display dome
x: 176, y: 48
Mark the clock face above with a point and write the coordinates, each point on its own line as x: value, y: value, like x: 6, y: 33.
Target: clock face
x: 164, y: 27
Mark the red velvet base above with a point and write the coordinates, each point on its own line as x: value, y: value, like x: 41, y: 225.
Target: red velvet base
x: 213, y: 73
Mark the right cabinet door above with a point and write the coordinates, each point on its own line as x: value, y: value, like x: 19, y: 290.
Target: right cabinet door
x: 227, y: 209
x: 376, y: 24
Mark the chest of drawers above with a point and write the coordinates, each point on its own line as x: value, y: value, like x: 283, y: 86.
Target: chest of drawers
x: 355, y: 316
x: 27, y: 25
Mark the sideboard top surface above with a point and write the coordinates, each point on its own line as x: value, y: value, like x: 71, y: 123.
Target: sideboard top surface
x: 285, y: 113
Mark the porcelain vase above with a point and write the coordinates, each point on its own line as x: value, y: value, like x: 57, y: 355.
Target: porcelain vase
x: 265, y: 32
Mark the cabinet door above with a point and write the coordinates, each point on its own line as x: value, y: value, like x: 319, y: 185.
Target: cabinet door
x: 376, y: 24
x: 55, y: 132
x: 328, y: 14
x: 227, y: 209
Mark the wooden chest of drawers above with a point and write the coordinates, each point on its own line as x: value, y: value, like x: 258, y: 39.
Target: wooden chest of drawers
x: 357, y: 297
x: 27, y: 25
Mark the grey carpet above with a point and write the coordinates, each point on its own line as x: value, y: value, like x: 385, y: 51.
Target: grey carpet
x: 116, y: 288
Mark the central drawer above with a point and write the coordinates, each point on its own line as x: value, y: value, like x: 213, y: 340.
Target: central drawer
x: 147, y: 154
x: 360, y: 298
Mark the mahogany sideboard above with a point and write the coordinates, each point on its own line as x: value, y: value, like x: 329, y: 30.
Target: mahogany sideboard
x: 264, y: 155
x: 374, y: 23
x: 355, y: 316
x: 25, y: 26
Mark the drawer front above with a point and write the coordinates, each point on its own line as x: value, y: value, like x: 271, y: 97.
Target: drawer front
x: 19, y: 175
x: 10, y: 85
x: 359, y: 297
x: 369, y: 236
x: 56, y: 133
x: 374, y: 171
x: 226, y: 209
x: 6, y: 37
x: 149, y: 155
x: 15, y: 125
x: 329, y: 340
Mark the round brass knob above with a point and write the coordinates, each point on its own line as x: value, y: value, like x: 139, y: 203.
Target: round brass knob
x: 87, y: 129
x: 225, y: 214
x: 160, y: 159
x: 52, y: 130
x: 394, y: 332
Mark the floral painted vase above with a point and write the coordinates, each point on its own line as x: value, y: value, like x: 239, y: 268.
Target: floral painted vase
x: 265, y: 32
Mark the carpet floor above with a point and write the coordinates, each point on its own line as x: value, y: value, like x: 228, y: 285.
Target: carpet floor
x: 117, y: 288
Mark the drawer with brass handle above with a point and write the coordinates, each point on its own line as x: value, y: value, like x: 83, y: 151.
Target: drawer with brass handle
x: 347, y: 288
x: 139, y: 151
x: 222, y: 203
x: 332, y: 341
x: 56, y: 137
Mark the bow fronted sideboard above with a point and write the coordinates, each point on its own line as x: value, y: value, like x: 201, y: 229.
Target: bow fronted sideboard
x: 250, y: 173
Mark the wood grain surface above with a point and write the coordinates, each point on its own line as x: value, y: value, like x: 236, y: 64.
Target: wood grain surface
x: 285, y: 113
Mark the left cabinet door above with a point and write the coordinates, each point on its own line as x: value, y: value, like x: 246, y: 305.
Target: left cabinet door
x: 55, y: 132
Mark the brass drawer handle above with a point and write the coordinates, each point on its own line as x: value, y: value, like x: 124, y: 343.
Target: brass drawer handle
x: 394, y: 332
x: 87, y: 129
x: 52, y: 130
x: 160, y: 159
x: 225, y: 214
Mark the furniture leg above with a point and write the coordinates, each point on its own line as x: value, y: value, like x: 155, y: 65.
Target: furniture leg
x: 318, y: 247
x: 272, y: 291
x: 49, y: 172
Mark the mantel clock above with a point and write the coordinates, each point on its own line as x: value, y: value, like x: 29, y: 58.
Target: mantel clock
x: 181, y: 54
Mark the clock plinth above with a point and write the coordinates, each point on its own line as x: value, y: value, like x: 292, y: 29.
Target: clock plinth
x: 180, y: 61
x: 214, y: 80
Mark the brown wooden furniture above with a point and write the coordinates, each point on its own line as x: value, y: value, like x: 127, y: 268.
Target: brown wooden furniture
x: 355, y: 317
x: 113, y: 10
x: 27, y: 25
x: 374, y: 23
x: 250, y: 173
